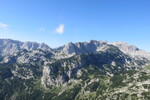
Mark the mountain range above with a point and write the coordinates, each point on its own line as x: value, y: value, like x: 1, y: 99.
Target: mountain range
x: 93, y: 70
x: 9, y: 47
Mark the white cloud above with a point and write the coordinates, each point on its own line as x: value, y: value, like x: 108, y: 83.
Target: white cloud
x: 3, y: 26
x: 42, y: 29
x: 60, y: 29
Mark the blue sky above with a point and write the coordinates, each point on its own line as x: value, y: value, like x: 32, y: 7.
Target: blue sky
x: 57, y: 22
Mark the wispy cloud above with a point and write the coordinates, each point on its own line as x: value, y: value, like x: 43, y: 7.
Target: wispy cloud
x: 60, y: 29
x: 42, y: 29
x: 3, y: 26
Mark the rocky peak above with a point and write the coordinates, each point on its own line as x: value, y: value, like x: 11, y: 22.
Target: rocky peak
x: 69, y: 48
x: 9, y: 47
x: 126, y: 47
x: 132, y: 50
x: 81, y: 47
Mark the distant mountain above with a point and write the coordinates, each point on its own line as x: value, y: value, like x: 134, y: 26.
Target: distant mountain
x: 94, y: 70
x: 96, y: 46
x: 80, y: 48
x: 132, y: 50
x: 8, y: 46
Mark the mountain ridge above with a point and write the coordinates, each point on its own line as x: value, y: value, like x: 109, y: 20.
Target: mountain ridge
x: 9, y: 46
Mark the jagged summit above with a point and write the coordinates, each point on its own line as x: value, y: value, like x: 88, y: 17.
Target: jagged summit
x: 9, y: 47
x: 132, y: 50
x: 126, y: 46
x: 95, y: 46
x: 80, y: 48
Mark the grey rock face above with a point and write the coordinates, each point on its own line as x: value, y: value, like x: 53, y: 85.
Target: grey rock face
x: 79, y: 48
x: 82, y: 47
